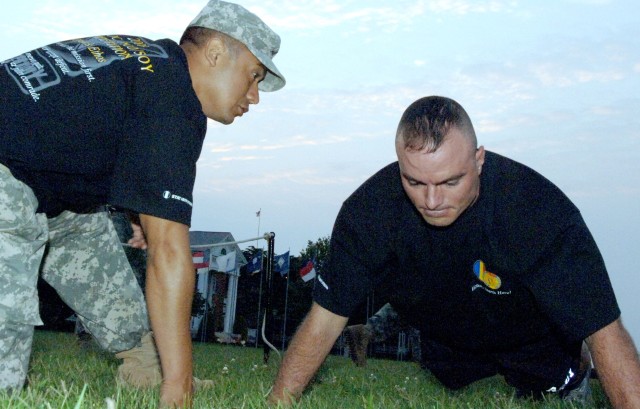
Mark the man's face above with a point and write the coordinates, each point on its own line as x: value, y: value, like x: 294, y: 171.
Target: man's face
x: 444, y: 183
x: 231, y: 85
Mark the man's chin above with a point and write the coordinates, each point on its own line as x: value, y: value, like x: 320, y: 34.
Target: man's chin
x: 224, y: 121
x: 439, y: 221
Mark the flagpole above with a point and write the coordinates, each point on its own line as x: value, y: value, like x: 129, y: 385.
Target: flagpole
x: 286, y: 302
x: 258, y: 214
x: 259, y: 298
x: 267, y: 327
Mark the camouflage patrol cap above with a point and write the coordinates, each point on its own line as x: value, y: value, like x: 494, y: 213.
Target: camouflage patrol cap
x: 239, y: 23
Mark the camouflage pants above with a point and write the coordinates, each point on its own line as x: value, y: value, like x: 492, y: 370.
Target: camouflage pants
x: 81, y: 257
x: 386, y: 324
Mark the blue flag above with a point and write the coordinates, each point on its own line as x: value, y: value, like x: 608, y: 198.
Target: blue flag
x: 255, y: 265
x: 281, y: 264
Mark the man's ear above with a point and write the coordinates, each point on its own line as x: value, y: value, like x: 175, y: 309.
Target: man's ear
x: 213, y: 50
x: 480, y: 158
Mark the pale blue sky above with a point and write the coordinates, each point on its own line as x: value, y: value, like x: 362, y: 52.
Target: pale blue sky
x: 553, y: 84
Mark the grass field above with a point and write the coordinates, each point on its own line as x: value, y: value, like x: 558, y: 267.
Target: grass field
x: 65, y: 374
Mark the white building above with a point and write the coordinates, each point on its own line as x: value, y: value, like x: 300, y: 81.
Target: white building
x: 217, y: 282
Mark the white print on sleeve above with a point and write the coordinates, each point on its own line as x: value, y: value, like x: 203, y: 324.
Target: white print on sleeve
x: 168, y: 195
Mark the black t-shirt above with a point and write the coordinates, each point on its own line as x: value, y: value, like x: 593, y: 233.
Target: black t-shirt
x: 517, y: 267
x: 106, y: 119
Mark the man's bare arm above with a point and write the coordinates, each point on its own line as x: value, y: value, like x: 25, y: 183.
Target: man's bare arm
x: 169, y: 290
x: 616, y: 361
x: 308, y: 349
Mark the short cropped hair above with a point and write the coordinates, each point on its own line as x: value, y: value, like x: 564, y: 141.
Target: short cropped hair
x: 198, y: 36
x: 427, y: 121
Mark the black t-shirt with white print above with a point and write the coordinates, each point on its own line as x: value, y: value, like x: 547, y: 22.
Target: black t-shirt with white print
x: 106, y: 119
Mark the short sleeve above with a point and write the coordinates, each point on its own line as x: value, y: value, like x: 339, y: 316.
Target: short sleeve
x: 572, y: 286
x: 156, y: 168
x: 356, y: 262
x: 163, y: 132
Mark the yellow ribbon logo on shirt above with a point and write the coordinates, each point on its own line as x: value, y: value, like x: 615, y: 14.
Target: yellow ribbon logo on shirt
x: 491, y: 280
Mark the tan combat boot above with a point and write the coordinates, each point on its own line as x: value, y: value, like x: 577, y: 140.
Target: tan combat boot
x: 140, y: 367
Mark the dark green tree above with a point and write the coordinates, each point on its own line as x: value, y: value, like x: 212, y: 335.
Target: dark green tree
x: 318, y: 251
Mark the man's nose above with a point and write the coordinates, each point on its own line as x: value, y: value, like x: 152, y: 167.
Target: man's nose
x: 433, y: 197
x: 253, y: 95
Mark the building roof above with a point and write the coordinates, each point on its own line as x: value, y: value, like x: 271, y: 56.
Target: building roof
x: 217, y: 240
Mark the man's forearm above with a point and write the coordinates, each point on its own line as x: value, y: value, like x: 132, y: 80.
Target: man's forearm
x: 308, y: 349
x: 301, y: 361
x: 169, y: 287
x: 169, y: 299
x: 616, y: 360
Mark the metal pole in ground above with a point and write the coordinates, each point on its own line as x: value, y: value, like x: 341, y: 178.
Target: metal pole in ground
x: 268, y: 315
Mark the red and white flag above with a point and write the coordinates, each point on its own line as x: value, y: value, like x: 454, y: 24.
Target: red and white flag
x: 199, y: 260
x: 308, y: 272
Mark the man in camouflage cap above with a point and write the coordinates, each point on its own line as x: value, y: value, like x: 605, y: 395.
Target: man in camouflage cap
x: 244, y: 26
x: 118, y: 120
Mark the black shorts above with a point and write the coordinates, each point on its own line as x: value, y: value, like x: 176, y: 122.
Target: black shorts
x: 539, y: 367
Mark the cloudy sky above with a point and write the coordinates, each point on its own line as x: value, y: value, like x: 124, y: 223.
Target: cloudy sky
x: 551, y: 83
